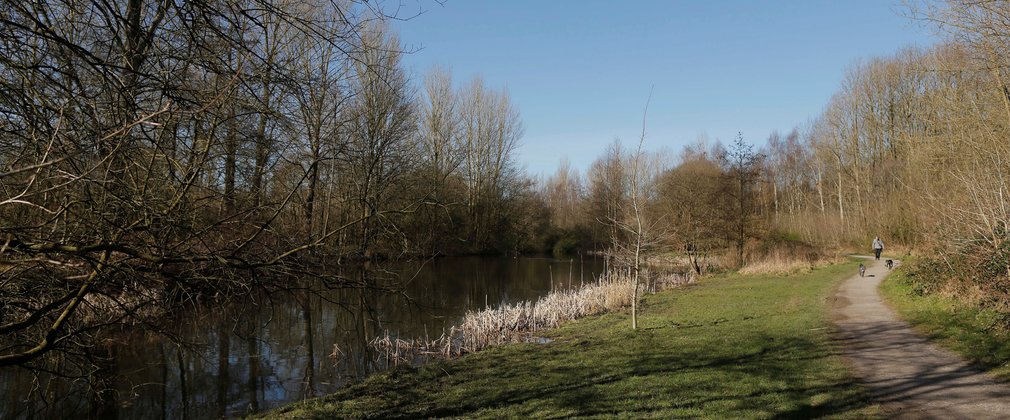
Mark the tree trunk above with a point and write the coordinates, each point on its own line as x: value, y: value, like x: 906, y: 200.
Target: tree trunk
x: 261, y: 156
x: 230, y: 151
x: 310, y: 199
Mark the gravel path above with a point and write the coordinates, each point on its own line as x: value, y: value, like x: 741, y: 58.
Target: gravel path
x: 910, y: 377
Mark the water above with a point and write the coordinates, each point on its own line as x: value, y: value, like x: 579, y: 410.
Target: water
x: 265, y: 351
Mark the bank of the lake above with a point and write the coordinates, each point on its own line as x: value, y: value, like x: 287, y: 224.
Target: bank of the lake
x: 264, y: 350
x: 732, y: 346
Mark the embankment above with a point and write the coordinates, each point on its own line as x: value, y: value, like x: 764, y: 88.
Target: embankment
x: 733, y: 346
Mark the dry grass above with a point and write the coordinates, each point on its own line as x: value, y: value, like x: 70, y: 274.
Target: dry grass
x: 710, y: 262
x: 777, y: 266
x: 669, y: 279
x: 786, y: 263
x: 519, y: 323
x: 135, y: 304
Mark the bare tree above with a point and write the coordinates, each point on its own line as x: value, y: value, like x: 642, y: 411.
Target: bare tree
x: 116, y: 121
x: 564, y: 193
x: 321, y: 98
x: 380, y: 125
x: 439, y: 120
x: 639, y: 233
x: 742, y: 167
x: 608, y: 192
x: 491, y: 128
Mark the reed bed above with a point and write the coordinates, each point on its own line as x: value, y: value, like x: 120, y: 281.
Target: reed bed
x: 519, y: 322
x: 395, y: 350
x: 664, y: 280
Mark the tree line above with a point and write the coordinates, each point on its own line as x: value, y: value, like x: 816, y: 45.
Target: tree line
x: 152, y: 152
x: 156, y: 152
x: 911, y: 147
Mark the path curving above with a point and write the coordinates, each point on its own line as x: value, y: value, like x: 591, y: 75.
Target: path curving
x: 908, y: 375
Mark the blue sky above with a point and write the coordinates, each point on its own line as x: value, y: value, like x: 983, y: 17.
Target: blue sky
x: 580, y: 71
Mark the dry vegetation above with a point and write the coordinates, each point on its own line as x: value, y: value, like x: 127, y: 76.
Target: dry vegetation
x: 155, y: 154
x: 520, y: 322
x: 912, y: 148
x: 784, y: 264
x: 158, y: 154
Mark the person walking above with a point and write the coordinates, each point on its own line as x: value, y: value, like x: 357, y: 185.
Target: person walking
x: 878, y: 247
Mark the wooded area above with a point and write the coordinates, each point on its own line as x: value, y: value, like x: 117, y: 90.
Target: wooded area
x: 912, y: 148
x: 153, y: 152
x: 157, y: 152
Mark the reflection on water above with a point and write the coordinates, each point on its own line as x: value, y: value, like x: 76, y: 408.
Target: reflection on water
x: 262, y: 352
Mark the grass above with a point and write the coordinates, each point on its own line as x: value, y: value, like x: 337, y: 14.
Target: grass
x: 728, y: 347
x: 978, y: 335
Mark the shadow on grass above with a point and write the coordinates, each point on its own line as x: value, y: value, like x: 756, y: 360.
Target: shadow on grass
x: 742, y: 347
x: 771, y: 382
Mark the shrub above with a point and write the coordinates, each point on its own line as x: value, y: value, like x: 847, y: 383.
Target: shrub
x: 976, y: 274
x: 566, y: 246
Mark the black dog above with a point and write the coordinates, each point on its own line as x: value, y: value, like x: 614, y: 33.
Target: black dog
x: 862, y: 270
x: 889, y: 263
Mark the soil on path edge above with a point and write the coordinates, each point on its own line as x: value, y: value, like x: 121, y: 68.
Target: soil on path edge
x: 908, y: 375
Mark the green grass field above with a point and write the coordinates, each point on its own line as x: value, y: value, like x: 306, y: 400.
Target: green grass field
x: 729, y: 347
x: 978, y: 335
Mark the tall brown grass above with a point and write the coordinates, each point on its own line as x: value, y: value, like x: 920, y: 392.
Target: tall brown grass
x: 133, y: 304
x: 786, y: 263
x: 519, y: 322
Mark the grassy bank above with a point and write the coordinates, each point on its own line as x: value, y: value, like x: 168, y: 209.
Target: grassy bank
x: 729, y: 347
x: 979, y: 335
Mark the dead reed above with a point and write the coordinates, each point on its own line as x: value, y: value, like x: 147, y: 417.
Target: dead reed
x: 135, y: 304
x: 519, y: 322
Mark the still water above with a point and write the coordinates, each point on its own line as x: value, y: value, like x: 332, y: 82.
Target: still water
x: 263, y: 352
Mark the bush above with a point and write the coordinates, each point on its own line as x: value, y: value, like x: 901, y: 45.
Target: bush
x: 975, y: 274
x: 566, y: 246
x: 926, y: 276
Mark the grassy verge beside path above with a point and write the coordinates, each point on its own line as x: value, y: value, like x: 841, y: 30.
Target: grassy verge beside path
x: 729, y: 347
x: 977, y: 335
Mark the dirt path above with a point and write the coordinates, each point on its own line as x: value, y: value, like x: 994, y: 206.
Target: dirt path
x: 910, y: 377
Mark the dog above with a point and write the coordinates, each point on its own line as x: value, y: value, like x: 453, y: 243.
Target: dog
x: 862, y: 270
x: 889, y: 263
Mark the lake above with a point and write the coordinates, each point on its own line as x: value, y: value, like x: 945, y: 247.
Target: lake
x: 260, y: 352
